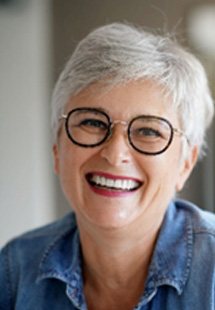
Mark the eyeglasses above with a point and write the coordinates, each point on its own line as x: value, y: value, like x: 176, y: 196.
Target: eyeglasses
x: 147, y: 134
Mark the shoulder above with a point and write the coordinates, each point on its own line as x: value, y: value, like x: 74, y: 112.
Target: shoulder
x: 29, y: 247
x: 21, y: 258
x: 200, y: 232
x: 44, y: 235
x: 200, y: 261
x: 203, y: 222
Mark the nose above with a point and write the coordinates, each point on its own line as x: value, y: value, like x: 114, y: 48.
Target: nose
x: 117, y: 149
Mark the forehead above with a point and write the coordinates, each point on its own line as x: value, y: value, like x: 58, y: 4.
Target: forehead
x: 127, y: 100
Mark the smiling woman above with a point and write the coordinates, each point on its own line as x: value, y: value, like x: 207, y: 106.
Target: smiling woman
x: 122, y: 149
x: 115, y: 153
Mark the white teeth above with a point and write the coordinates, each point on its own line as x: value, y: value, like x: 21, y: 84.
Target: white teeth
x: 103, y: 181
x: 117, y: 184
x: 110, y: 183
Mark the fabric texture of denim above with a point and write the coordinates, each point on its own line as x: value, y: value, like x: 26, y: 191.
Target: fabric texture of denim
x: 41, y: 270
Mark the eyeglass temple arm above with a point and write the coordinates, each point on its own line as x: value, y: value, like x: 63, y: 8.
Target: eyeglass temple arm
x: 181, y: 133
x: 63, y: 116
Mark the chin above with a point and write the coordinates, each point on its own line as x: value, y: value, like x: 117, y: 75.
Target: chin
x: 109, y: 220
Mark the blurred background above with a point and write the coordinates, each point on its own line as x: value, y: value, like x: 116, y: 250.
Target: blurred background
x: 36, y: 39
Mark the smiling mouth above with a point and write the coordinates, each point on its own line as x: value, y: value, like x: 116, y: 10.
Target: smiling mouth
x: 113, y: 184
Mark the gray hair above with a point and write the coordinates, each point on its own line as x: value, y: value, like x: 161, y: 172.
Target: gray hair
x: 119, y: 53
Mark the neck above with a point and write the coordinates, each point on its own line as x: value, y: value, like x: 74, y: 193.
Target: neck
x: 115, y: 264
x: 115, y: 257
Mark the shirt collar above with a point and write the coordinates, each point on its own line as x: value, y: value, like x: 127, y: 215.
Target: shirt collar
x: 172, y: 258
x: 62, y: 260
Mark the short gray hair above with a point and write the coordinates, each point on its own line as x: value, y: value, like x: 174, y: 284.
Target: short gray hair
x: 119, y: 53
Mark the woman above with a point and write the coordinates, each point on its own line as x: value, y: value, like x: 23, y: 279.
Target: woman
x: 130, y: 112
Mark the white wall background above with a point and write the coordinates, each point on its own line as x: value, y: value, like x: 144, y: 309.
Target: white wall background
x: 26, y: 179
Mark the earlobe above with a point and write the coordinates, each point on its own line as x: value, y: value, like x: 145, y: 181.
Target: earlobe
x: 56, y: 158
x: 187, y: 166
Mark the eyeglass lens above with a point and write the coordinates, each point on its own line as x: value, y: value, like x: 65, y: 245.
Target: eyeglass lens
x: 91, y: 127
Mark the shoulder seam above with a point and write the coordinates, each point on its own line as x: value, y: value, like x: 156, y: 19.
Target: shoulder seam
x: 204, y: 231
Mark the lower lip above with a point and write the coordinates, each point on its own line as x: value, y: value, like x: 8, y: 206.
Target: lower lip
x: 111, y: 193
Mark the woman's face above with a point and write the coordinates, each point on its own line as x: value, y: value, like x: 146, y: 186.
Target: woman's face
x: 158, y: 177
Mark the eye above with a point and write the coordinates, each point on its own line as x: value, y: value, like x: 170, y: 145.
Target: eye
x: 93, y: 124
x: 148, y: 132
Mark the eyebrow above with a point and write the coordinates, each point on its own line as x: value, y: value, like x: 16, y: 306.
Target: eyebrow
x: 101, y: 109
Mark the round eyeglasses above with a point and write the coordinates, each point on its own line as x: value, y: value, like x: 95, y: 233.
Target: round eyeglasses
x: 147, y: 134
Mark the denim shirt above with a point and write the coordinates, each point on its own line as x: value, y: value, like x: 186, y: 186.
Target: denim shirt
x: 42, y: 270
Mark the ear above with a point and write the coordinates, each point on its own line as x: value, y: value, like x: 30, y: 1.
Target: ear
x: 187, y: 166
x: 55, y: 152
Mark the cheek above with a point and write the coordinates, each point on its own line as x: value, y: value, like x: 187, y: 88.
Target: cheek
x: 72, y: 168
x: 70, y: 165
x: 163, y: 172
x: 70, y: 177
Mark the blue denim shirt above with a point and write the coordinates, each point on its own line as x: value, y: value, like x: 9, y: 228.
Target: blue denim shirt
x: 42, y: 269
